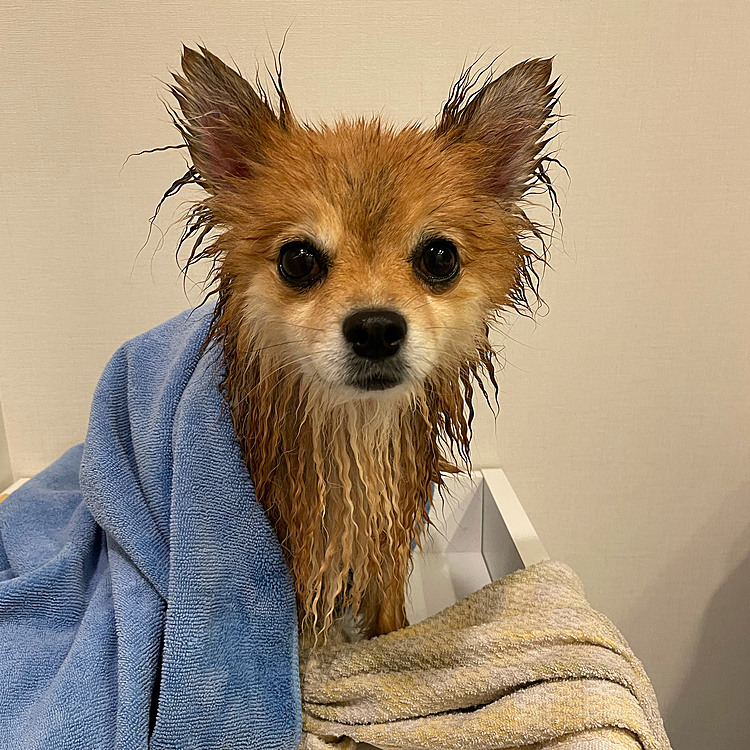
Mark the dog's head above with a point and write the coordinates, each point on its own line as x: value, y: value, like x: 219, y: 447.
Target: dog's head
x: 366, y: 258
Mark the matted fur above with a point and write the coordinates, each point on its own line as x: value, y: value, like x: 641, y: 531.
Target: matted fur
x: 345, y: 480
x: 345, y: 484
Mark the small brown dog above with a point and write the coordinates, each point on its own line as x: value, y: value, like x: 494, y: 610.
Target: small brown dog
x: 358, y: 270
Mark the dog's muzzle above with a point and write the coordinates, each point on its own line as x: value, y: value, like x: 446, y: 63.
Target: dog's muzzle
x: 375, y: 337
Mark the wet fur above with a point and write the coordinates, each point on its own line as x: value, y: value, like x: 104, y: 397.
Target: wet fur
x: 345, y: 477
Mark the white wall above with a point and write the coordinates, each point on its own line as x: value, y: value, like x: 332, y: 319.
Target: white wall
x: 625, y: 410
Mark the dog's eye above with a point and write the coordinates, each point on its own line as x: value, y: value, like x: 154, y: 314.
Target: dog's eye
x: 301, y: 264
x: 437, y: 262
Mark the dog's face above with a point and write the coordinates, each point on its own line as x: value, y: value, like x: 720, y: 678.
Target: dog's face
x: 369, y: 259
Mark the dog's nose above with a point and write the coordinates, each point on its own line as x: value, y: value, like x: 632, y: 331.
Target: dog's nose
x: 375, y: 334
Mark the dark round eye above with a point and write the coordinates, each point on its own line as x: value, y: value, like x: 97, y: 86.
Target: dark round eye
x: 437, y: 261
x: 300, y: 263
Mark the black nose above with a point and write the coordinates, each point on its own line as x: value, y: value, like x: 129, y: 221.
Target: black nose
x: 375, y: 334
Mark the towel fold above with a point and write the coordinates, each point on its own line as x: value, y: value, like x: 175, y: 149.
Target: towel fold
x: 523, y: 663
x: 149, y: 607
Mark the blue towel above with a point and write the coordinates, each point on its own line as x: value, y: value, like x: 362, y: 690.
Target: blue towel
x: 149, y: 604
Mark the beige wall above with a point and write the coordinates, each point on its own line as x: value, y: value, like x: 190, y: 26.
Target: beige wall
x: 625, y: 410
x: 6, y: 471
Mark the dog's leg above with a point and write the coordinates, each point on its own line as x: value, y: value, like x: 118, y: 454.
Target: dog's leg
x: 389, y: 613
x: 392, y: 615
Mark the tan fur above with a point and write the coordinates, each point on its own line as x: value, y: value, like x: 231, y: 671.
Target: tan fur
x: 344, y: 476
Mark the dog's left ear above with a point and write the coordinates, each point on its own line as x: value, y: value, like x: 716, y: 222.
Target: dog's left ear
x: 507, y: 120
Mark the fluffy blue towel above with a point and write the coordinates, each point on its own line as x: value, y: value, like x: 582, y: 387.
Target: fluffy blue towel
x: 148, y: 606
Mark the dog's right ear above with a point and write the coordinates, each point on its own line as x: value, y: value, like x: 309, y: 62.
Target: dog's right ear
x: 225, y: 123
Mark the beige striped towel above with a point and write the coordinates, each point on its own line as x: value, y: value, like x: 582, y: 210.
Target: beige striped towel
x: 523, y: 663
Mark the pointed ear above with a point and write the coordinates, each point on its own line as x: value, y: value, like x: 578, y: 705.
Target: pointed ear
x: 225, y: 123
x: 507, y: 118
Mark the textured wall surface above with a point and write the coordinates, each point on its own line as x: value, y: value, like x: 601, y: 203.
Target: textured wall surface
x: 625, y: 409
x: 6, y: 471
